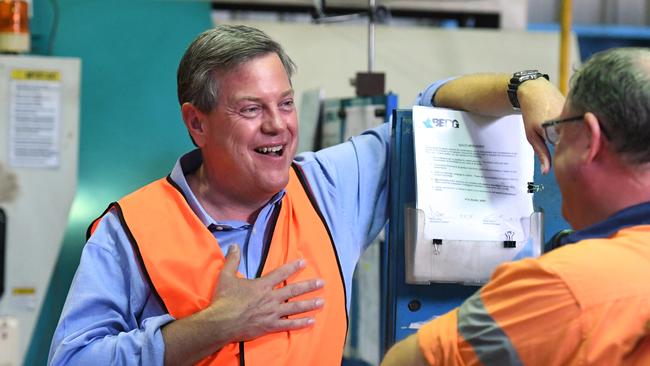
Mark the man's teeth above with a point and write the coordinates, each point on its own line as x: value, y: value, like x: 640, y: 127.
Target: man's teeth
x: 272, y: 149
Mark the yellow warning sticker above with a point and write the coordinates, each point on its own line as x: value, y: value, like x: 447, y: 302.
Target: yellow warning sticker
x: 23, y: 291
x: 42, y: 75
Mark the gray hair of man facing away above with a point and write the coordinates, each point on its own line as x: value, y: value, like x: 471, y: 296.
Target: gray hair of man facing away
x: 220, y: 50
x: 615, y: 85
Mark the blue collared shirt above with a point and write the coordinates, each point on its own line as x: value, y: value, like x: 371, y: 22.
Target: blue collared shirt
x: 111, y: 315
x: 251, y: 238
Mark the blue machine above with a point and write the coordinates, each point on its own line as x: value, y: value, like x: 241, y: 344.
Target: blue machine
x: 405, y: 305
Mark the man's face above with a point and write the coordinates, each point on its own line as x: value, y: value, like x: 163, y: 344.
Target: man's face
x: 567, y: 167
x: 251, y: 134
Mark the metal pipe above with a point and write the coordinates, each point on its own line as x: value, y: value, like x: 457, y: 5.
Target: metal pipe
x: 339, y: 18
x: 565, y: 43
x: 371, y: 35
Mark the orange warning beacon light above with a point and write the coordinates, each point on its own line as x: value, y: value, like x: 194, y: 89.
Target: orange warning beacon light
x: 14, y: 26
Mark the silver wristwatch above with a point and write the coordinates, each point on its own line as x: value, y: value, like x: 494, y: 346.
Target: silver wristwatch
x: 517, y: 79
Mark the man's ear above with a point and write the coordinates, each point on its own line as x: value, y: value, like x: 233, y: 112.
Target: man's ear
x: 194, y: 121
x: 596, y: 144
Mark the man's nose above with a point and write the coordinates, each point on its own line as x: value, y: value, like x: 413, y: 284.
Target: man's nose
x: 273, y: 122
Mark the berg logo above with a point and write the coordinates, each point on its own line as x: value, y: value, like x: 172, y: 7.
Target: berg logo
x: 441, y: 122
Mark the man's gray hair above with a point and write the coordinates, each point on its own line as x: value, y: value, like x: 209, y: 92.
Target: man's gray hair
x: 220, y: 50
x: 615, y: 85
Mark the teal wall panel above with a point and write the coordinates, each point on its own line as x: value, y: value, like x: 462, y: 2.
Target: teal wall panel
x: 131, y: 129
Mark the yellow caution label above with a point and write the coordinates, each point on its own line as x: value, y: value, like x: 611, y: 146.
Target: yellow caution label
x: 42, y: 75
x: 23, y: 291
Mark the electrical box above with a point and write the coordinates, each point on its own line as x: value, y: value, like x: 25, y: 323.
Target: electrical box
x: 39, y: 135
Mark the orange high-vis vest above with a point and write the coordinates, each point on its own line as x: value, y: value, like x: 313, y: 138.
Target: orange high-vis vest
x: 182, y: 260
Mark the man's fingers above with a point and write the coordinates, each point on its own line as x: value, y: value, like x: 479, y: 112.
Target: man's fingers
x: 543, y: 154
x: 283, y: 272
x: 292, y: 324
x: 298, y: 307
x: 538, y: 143
x: 232, y: 260
x: 296, y: 289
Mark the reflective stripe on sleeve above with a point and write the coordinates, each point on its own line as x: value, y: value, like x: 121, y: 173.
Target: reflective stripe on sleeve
x: 491, y: 345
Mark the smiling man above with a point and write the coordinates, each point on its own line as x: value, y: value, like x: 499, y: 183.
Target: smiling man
x: 244, y: 254
x: 251, y: 135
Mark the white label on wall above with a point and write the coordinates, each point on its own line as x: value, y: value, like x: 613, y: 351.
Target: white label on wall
x: 35, y: 118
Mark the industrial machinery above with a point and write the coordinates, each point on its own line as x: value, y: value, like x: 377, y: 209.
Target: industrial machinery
x: 39, y: 134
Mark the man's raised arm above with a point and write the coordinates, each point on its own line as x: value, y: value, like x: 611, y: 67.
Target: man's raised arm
x: 487, y: 94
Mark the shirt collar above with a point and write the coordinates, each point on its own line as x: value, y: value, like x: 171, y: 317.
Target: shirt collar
x: 631, y: 216
x: 189, y: 163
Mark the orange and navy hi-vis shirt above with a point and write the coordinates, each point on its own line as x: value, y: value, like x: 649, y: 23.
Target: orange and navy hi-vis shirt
x: 182, y: 261
x: 586, y: 303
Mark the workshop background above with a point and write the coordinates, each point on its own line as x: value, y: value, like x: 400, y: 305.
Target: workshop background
x: 130, y: 128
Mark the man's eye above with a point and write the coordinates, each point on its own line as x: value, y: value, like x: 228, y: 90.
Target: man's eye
x: 250, y: 111
x: 287, y: 104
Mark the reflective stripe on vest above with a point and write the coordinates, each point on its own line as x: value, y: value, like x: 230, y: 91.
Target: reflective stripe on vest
x: 183, y: 261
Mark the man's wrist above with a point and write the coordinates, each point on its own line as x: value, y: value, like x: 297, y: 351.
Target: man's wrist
x: 517, y: 80
x: 533, y: 91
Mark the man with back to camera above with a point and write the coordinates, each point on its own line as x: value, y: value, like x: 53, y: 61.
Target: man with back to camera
x: 581, y: 304
x: 153, y: 288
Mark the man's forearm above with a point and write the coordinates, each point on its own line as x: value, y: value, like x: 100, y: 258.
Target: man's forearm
x: 487, y: 94
x: 479, y: 93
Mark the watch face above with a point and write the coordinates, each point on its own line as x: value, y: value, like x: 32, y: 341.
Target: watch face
x: 526, y: 72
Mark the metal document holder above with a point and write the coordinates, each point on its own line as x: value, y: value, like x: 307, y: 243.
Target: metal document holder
x: 462, y: 261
